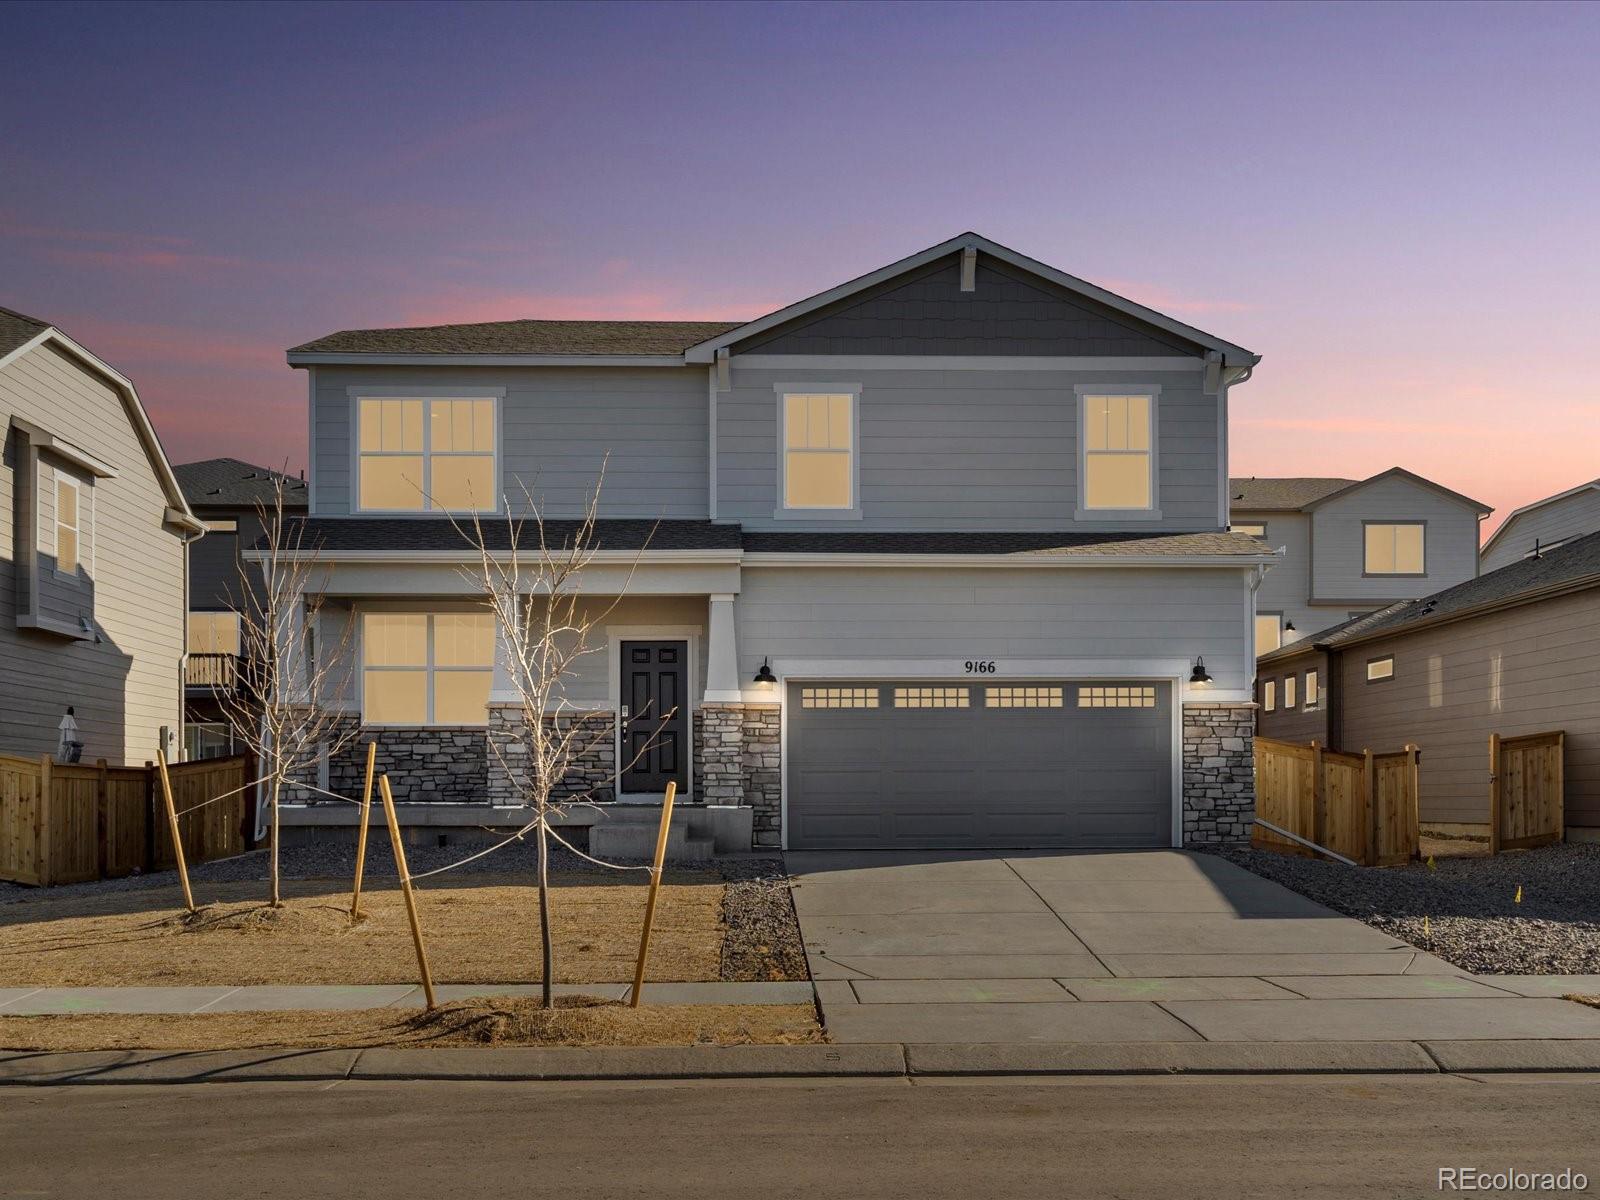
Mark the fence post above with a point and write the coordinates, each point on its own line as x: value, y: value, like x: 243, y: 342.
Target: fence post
x: 1414, y: 830
x: 149, y: 816
x: 43, y: 836
x: 1369, y: 784
x: 1319, y: 799
x: 102, y: 820
x: 1494, y: 793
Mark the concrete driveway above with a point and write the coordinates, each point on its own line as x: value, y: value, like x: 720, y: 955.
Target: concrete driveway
x: 1137, y: 946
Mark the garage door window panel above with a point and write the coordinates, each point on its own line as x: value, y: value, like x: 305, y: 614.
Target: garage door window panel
x: 1023, y: 697
x: 932, y: 697
x: 1117, y: 696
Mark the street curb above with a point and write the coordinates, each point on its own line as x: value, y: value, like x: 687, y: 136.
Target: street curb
x: 1171, y: 1058
x: 175, y: 1066
x: 1552, y: 1055
x: 634, y: 1062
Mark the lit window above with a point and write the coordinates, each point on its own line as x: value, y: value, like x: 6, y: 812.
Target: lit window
x: 1269, y: 632
x: 213, y: 633
x: 931, y: 697
x: 68, y: 526
x: 1117, y: 696
x: 1289, y: 682
x: 1023, y: 697
x: 427, y: 669
x: 420, y: 455
x: 1117, y: 452
x: 1259, y: 531
x: 818, y: 450
x: 1269, y: 696
x: 1380, y: 668
x: 1311, y: 689
x: 228, y: 526
x: 1394, y: 550
x: 838, y: 697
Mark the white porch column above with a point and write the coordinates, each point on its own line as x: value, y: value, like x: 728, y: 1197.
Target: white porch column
x: 722, y: 658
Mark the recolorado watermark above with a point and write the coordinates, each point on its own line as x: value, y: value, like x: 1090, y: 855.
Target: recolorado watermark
x: 1475, y: 1179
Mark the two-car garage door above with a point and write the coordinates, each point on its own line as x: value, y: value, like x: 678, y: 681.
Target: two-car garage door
x: 928, y: 763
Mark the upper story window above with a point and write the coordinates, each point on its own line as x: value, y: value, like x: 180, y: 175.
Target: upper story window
x: 221, y: 525
x: 1255, y: 529
x: 420, y: 455
x: 69, y: 527
x: 1394, y: 549
x: 819, y: 450
x: 426, y: 668
x: 214, y: 633
x: 1117, y: 432
x: 1269, y: 632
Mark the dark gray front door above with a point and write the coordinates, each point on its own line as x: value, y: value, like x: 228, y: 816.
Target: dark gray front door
x: 927, y: 764
x: 655, y: 718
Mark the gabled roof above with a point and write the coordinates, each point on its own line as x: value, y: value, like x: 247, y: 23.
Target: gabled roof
x: 1233, y: 355
x: 522, y: 337
x: 1302, y: 494
x: 16, y: 340
x: 1570, y: 567
x: 1287, y: 494
x: 1592, y: 485
x: 228, y: 482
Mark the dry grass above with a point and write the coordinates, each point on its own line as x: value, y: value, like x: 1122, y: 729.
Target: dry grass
x: 478, y: 929
x: 486, y: 1021
x: 1591, y: 1001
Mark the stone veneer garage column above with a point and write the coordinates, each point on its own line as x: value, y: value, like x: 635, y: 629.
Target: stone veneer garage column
x: 1219, y: 788
x: 736, y: 761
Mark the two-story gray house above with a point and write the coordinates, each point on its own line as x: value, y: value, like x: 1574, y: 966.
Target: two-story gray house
x: 936, y: 558
x: 1352, y: 546
x: 1543, y: 525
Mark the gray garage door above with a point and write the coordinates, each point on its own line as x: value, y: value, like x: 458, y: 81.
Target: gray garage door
x: 921, y: 764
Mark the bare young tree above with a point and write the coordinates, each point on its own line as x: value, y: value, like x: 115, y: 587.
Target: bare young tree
x: 284, y: 701
x: 546, y: 628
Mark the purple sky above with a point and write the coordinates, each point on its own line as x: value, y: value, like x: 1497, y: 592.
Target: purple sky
x: 1396, y: 206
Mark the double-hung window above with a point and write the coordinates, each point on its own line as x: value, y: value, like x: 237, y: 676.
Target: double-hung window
x: 1288, y: 691
x: 1117, y: 432
x: 426, y: 454
x: 426, y: 668
x: 1394, y: 549
x: 1311, y: 689
x: 819, y: 450
x: 69, y: 526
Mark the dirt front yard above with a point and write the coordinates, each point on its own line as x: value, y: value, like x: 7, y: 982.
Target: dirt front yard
x: 479, y: 928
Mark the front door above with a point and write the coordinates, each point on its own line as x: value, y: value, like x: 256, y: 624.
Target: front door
x: 655, y: 716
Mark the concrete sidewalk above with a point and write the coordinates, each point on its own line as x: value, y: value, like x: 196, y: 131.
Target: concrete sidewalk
x: 24, y: 1002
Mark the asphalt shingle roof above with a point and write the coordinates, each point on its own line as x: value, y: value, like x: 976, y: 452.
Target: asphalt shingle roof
x: 1064, y: 545
x: 18, y: 329
x: 333, y: 535
x: 230, y: 483
x: 1281, y: 495
x: 1570, y: 562
x: 524, y: 337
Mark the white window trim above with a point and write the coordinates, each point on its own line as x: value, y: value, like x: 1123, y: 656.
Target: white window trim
x: 1372, y: 662
x: 356, y: 395
x: 429, y: 669
x: 56, y: 524
x: 782, y: 511
x: 1153, y: 511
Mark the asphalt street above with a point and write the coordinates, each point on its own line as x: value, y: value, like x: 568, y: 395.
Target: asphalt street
x: 1180, y: 1137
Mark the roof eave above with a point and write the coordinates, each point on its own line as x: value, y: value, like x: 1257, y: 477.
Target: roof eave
x: 347, y: 358
x: 1482, y: 509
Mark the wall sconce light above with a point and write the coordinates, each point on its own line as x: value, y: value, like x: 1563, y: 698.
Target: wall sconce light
x: 1199, y: 677
x: 1288, y: 627
x: 764, y: 677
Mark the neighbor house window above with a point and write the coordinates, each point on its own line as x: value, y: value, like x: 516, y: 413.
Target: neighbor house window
x: 1394, y: 549
x: 1380, y: 668
x: 1289, y: 682
x: 1269, y: 695
x: 69, y: 527
x: 1259, y: 531
x: 213, y: 633
x: 230, y: 525
x: 419, y: 455
x: 1118, y: 441
x: 819, y: 450
x: 1311, y: 689
x: 212, y: 739
x: 1269, y: 632
x: 426, y: 668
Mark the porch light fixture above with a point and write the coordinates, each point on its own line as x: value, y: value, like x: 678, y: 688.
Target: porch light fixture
x: 1199, y: 676
x: 1288, y: 626
x: 764, y: 677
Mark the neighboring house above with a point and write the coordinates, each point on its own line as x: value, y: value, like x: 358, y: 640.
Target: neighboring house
x: 1352, y: 545
x: 1511, y: 652
x: 230, y: 497
x: 1543, y: 525
x: 940, y: 553
x: 91, y: 555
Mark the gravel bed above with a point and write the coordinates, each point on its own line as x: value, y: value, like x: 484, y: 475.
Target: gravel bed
x: 763, y: 936
x: 1469, y: 904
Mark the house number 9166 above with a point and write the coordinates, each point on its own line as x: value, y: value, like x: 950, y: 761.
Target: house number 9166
x: 980, y: 666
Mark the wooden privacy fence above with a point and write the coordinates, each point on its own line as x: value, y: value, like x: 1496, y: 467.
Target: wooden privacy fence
x: 67, y: 823
x: 1362, y: 806
x: 1527, y: 780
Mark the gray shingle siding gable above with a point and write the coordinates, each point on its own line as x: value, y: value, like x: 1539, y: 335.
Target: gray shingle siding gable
x: 1007, y: 313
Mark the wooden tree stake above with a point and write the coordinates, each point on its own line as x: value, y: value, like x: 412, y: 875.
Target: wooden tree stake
x: 172, y: 824
x: 405, y: 887
x: 655, y: 886
x: 366, y: 824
